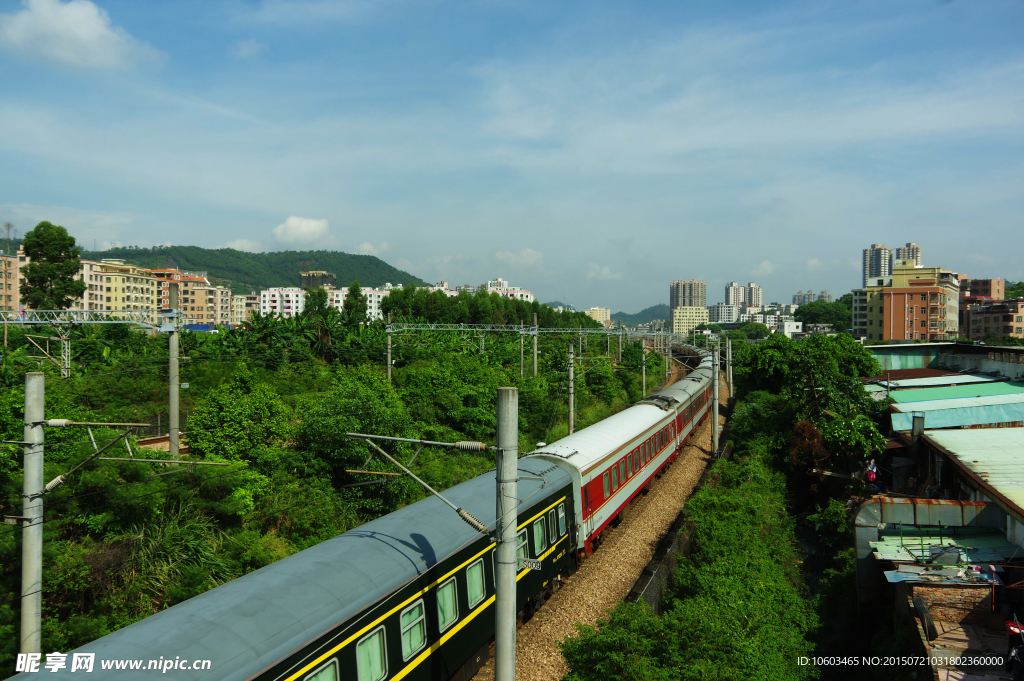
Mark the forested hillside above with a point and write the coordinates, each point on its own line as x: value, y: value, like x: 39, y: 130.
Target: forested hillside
x: 244, y: 272
x: 643, y: 316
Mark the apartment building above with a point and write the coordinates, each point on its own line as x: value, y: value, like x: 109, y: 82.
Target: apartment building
x: 687, y: 318
x: 877, y: 263
x: 723, y: 313
x: 909, y: 255
x: 126, y: 287
x: 374, y: 297
x: 242, y: 307
x: 747, y: 296
x: 10, y: 286
x: 600, y: 314
x: 915, y: 303
x: 283, y: 301
x: 801, y: 298
x: 687, y: 293
x: 199, y: 301
x: 503, y: 289
x: 994, y: 318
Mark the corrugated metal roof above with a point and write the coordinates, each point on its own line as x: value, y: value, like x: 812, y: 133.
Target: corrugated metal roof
x: 935, y: 381
x: 903, y: 374
x: 957, y: 391
x: 995, y: 455
x: 964, y: 411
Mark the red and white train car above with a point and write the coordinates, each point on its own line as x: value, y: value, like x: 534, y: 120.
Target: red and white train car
x: 613, y: 460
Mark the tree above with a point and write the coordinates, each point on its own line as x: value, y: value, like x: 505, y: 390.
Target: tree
x: 237, y: 418
x: 755, y: 330
x: 838, y: 315
x: 51, y: 281
x: 355, y: 305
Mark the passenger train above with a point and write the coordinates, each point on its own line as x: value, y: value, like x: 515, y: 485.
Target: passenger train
x: 410, y: 595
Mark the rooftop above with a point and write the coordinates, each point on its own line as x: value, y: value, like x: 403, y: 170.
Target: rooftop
x: 959, y: 391
x: 960, y: 412
x: 993, y: 456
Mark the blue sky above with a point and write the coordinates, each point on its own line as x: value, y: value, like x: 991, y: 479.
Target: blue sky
x: 590, y: 151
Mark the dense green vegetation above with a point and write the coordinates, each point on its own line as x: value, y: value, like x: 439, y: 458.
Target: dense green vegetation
x: 243, y: 272
x: 644, y: 316
x: 272, y: 399
x: 838, y: 314
x: 739, y: 607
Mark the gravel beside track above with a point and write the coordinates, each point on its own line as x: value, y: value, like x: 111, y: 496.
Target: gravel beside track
x: 606, y: 578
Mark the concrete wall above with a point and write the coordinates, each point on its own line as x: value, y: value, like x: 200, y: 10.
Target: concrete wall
x: 980, y: 363
x: 907, y: 356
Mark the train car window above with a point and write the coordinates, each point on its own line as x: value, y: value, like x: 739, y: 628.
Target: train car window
x: 607, y: 485
x: 447, y: 605
x: 539, y: 541
x: 615, y: 477
x: 521, y: 548
x: 622, y: 471
x: 629, y: 465
x: 372, y: 656
x: 586, y: 499
x: 414, y: 629
x: 329, y: 672
x: 561, y: 519
x: 475, y: 582
x: 552, y: 526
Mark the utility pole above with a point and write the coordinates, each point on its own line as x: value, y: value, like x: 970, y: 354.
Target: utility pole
x: 481, y: 344
x: 620, y: 340
x: 728, y: 364
x: 522, y: 359
x: 506, y: 474
x: 714, y: 402
x: 535, y: 345
x: 643, y: 369
x: 389, y: 347
x: 173, y: 377
x: 32, y: 516
x: 572, y: 392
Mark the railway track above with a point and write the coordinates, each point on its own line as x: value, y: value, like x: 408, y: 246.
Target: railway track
x: 607, y: 577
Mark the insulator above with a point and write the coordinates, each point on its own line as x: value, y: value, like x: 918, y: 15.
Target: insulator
x: 58, y: 423
x: 470, y: 446
x: 471, y: 521
x: 55, y: 483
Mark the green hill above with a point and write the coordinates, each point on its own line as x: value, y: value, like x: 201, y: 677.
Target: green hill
x: 643, y: 316
x: 244, y: 272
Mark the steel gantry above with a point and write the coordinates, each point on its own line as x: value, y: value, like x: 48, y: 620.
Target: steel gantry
x: 63, y: 320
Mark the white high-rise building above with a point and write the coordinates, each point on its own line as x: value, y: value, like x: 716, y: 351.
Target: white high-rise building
x: 723, y: 313
x: 752, y: 294
x: 734, y: 294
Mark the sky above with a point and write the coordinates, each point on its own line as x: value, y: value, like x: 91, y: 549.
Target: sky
x: 588, y: 151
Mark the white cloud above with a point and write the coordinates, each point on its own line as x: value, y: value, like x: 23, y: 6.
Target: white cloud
x: 815, y: 265
x: 107, y: 245
x: 366, y: 248
x: 76, y: 32
x: 602, y: 273
x: 246, y: 49
x: 524, y: 257
x: 246, y: 245
x: 765, y: 268
x: 296, y: 230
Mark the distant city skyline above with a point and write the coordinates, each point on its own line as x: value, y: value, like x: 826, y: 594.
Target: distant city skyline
x: 590, y: 152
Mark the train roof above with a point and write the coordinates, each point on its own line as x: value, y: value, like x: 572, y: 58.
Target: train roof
x: 259, y: 619
x: 590, y: 445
